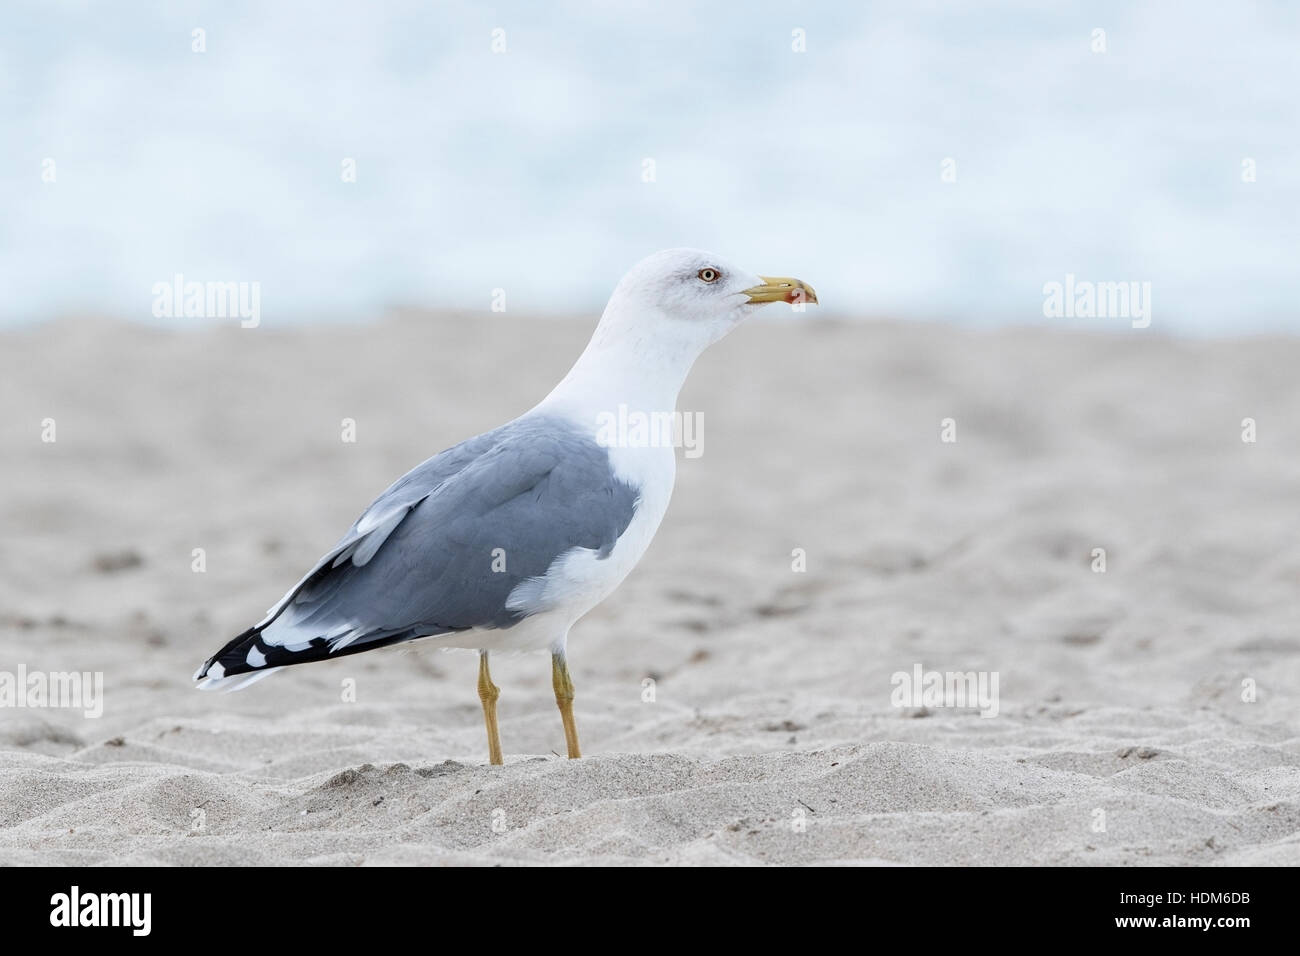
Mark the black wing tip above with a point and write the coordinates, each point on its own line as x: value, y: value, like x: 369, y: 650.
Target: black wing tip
x: 233, y: 644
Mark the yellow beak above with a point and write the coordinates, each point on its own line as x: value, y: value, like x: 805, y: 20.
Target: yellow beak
x: 781, y: 289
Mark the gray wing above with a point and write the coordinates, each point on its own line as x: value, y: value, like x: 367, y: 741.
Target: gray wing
x: 442, y: 549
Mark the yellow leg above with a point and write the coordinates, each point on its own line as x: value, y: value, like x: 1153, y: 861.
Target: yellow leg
x: 488, y: 692
x: 564, y: 700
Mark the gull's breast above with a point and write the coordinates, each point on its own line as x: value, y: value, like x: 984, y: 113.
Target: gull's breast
x: 580, y: 579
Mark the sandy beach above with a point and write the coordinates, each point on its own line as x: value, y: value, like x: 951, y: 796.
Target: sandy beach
x: 1146, y: 714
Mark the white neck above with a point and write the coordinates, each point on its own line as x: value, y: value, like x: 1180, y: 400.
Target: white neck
x: 642, y: 367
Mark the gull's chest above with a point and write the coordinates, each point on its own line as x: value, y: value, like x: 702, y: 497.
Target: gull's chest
x: 582, y: 579
x: 652, y: 472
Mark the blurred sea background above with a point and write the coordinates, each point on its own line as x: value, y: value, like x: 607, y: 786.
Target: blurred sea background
x: 596, y: 133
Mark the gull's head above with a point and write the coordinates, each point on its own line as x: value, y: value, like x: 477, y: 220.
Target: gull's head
x: 695, y: 295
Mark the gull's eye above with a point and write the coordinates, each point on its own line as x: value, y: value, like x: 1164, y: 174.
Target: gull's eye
x: 709, y: 275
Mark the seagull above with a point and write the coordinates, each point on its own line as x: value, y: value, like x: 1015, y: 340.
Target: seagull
x: 504, y: 541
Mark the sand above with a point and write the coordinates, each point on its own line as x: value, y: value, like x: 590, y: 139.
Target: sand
x: 1121, y: 737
